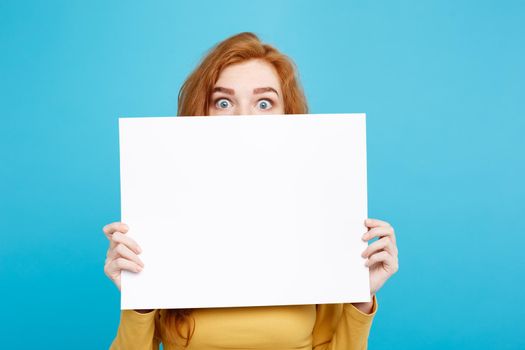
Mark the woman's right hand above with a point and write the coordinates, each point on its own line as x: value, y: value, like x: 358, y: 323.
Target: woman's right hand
x: 122, y: 252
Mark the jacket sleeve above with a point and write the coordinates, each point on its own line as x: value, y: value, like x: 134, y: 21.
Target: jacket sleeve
x: 342, y: 326
x: 136, y: 331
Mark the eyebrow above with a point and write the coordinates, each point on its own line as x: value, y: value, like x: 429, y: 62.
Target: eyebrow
x: 255, y: 91
x: 265, y: 89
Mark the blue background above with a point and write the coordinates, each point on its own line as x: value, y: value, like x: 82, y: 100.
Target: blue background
x: 442, y: 83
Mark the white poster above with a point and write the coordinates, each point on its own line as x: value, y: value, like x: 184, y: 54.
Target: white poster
x: 245, y: 210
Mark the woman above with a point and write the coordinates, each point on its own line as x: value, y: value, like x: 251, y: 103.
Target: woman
x: 242, y: 76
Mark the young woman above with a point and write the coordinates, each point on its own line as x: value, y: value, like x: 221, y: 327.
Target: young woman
x: 242, y: 76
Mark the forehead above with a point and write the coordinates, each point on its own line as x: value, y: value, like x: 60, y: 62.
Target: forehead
x: 249, y: 74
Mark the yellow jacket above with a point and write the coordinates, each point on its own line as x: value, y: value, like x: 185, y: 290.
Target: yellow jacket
x: 298, y: 327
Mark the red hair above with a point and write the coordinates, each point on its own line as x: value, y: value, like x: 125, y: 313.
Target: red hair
x: 195, y: 92
x: 194, y: 99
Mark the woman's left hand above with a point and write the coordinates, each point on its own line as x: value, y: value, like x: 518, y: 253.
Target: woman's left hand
x: 382, y: 254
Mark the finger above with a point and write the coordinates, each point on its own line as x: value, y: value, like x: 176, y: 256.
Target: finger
x: 119, y: 237
x: 120, y: 264
x: 385, y: 258
x: 390, y: 263
x: 381, y: 244
x: 122, y: 251
x: 380, y: 231
x: 109, y: 229
x: 376, y: 258
x: 375, y: 223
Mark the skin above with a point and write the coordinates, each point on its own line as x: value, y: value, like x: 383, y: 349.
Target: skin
x: 252, y: 87
x: 241, y: 80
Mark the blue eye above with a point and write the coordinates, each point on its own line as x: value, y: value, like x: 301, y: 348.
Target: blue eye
x: 222, y: 103
x: 264, y: 104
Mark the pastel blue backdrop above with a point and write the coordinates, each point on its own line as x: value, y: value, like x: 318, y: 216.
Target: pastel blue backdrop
x: 442, y: 83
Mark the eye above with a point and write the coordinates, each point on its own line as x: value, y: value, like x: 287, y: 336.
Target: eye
x: 264, y: 104
x: 222, y: 103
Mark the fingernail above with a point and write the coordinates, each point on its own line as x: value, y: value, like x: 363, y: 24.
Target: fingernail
x: 139, y: 269
x: 139, y: 250
x: 366, y: 263
x: 364, y: 237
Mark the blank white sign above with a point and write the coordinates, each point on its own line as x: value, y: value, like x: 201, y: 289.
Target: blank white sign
x: 245, y: 210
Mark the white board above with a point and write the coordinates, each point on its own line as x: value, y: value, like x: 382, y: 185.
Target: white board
x: 245, y: 210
